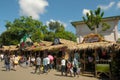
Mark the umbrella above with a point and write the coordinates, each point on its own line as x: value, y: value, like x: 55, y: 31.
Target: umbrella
x: 50, y: 57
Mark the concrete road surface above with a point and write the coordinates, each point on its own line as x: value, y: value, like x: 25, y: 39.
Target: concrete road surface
x: 27, y: 74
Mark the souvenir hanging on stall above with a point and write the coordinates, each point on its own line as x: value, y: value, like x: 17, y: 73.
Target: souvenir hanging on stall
x: 25, y: 42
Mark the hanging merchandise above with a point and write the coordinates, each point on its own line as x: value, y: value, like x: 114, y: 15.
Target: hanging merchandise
x: 90, y: 59
x: 25, y: 41
x: 76, y: 55
x: 103, y: 53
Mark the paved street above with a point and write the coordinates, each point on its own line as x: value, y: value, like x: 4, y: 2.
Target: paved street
x: 26, y: 74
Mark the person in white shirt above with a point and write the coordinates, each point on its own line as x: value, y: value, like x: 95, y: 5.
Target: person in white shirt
x: 16, y: 60
x: 48, y: 63
x: 1, y: 57
x: 75, y: 66
x: 45, y: 65
x: 32, y: 61
x: 63, y: 66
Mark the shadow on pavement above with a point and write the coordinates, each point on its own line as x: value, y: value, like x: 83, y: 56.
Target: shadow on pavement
x: 3, y: 70
x: 62, y: 75
x: 57, y: 74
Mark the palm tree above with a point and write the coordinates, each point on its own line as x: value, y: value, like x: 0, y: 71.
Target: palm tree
x: 94, y: 19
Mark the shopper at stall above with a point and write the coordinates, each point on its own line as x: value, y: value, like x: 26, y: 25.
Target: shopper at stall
x: 63, y: 66
x: 37, y: 64
x: 7, y: 62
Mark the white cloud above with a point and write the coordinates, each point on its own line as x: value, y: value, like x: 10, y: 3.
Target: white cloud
x: 51, y: 20
x: 118, y: 4
x: 32, y: 8
x: 106, y: 7
x: 85, y: 11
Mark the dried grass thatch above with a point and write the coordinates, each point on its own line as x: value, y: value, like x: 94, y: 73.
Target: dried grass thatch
x: 10, y: 48
x: 93, y: 38
x: 69, y: 45
x: 49, y: 46
x: 45, y: 45
x: 39, y: 46
x: 95, y: 45
x: 117, y: 47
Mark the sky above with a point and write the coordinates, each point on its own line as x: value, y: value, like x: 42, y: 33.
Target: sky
x: 64, y: 11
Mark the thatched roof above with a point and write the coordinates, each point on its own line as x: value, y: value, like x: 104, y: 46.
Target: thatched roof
x: 93, y: 41
x: 69, y: 45
x: 65, y: 44
x: 95, y: 45
x: 39, y: 46
x: 10, y: 48
x: 117, y: 46
x: 45, y: 45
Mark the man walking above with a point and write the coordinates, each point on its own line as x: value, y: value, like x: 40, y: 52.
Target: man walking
x: 7, y: 62
x: 45, y: 62
x: 63, y: 66
x: 37, y: 65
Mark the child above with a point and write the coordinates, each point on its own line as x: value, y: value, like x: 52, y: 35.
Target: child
x: 78, y: 69
x: 41, y: 68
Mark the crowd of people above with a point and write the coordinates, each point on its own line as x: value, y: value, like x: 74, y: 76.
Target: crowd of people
x: 41, y: 64
x: 10, y: 61
x: 70, y: 67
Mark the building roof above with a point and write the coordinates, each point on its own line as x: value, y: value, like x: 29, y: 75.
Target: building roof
x: 48, y: 46
x: 10, y: 48
x: 104, y: 19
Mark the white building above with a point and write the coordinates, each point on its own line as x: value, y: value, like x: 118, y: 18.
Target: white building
x: 109, y: 35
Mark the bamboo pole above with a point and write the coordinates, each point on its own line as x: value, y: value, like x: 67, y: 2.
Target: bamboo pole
x: 84, y: 62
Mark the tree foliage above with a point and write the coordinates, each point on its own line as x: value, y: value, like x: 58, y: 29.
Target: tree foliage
x: 56, y: 26
x: 60, y: 32
x: 21, y: 26
x: 26, y: 25
x: 94, y: 19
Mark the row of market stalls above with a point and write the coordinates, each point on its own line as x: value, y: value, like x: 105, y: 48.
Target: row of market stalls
x: 95, y: 57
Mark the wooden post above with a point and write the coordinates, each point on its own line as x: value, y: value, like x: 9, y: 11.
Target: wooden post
x: 84, y: 62
x: 95, y: 62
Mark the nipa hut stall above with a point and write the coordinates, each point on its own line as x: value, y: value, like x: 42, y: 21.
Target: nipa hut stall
x: 96, y: 55
x: 116, y: 62
x: 53, y: 48
x: 59, y: 48
x: 36, y: 48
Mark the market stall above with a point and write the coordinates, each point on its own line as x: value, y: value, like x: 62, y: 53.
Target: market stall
x: 96, y: 55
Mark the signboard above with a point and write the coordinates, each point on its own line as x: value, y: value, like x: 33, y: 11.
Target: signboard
x: 92, y: 38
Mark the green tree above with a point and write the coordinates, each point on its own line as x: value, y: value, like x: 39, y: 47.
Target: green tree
x: 21, y: 26
x: 56, y: 26
x: 37, y: 36
x: 26, y: 25
x: 66, y: 35
x: 59, y: 31
x: 49, y: 36
x: 94, y: 19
